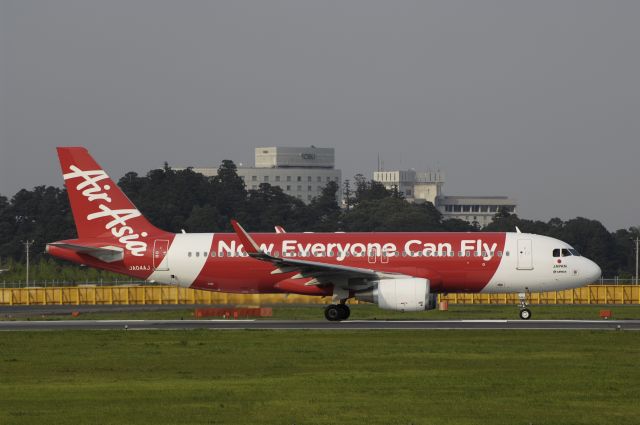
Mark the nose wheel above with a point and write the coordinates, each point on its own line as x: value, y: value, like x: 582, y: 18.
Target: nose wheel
x: 337, y: 312
x: 525, y: 313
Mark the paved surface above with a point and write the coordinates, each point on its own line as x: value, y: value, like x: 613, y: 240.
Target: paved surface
x: 319, y: 325
x: 34, y: 309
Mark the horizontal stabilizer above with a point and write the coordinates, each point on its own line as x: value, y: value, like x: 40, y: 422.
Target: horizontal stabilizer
x: 108, y: 254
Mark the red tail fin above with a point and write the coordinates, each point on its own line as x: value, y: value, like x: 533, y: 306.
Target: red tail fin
x: 100, y: 208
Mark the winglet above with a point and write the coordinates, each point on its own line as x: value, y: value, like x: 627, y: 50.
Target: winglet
x: 247, y: 241
x: 518, y: 229
x: 280, y: 229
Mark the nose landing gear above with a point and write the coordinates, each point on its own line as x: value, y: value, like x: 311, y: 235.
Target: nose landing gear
x: 525, y: 313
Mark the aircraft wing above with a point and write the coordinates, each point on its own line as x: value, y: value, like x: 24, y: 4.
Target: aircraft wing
x: 108, y: 254
x: 320, y: 273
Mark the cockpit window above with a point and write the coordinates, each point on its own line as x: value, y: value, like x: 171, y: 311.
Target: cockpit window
x: 564, y: 252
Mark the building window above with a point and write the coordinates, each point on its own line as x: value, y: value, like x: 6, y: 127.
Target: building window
x: 277, y: 178
x: 308, y: 197
x: 299, y: 178
x: 308, y: 178
x: 319, y: 179
x: 254, y: 178
x: 266, y: 179
x: 328, y: 179
x: 309, y: 188
x: 408, y: 191
x: 288, y: 178
x: 319, y: 188
x: 254, y: 187
x: 299, y: 188
x: 288, y: 187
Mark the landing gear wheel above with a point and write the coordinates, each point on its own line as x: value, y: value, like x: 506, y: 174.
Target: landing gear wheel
x: 333, y: 313
x: 345, y: 311
x: 525, y: 314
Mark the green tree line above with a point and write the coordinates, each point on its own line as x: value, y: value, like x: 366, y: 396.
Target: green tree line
x: 185, y: 200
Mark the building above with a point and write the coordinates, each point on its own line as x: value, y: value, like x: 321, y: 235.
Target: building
x: 299, y: 172
x: 427, y: 187
x: 415, y: 186
x: 474, y: 209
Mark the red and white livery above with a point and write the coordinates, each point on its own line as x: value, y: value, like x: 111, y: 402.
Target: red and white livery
x: 397, y: 271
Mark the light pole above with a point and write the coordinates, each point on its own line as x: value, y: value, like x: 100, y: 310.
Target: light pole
x: 27, y: 245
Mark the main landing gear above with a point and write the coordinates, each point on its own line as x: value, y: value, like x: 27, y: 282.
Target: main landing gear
x: 525, y: 313
x: 337, y: 312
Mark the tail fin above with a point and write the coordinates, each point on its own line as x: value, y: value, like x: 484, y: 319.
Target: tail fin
x: 100, y: 208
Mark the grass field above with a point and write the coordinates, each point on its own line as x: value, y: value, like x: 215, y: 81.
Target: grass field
x: 319, y: 377
x: 369, y: 312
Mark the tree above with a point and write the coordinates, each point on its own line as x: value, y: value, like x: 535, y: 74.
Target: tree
x: 325, y: 210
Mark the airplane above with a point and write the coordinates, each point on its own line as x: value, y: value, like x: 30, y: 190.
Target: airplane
x: 397, y: 271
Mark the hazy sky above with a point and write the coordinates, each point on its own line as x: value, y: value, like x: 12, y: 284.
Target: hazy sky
x: 538, y: 100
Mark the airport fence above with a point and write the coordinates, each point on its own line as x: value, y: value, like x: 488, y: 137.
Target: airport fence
x: 160, y: 295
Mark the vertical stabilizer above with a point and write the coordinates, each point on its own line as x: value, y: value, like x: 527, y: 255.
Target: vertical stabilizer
x: 100, y: 208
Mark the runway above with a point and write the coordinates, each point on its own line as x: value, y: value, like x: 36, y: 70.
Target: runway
x: 51, y: 325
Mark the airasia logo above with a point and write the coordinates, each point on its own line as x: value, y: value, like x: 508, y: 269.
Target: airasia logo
x: 93, y: 191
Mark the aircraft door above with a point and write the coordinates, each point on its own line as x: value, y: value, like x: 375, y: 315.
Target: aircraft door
x: 160, y: 249
x: 525, y: 255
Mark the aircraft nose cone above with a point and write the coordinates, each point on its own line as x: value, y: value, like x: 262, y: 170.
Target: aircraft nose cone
x: 594, y: 272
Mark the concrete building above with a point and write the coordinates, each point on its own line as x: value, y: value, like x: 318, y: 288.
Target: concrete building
x: 299, y: 172
x: 427, y: 187
x: 415, y: 186
x: 474, y: 209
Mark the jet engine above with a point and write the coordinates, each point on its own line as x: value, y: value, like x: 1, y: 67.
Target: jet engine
x: 406, y: 294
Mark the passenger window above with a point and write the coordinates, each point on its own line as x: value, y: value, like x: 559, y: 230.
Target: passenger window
x: 189, y: 254
x: 556, y: 252
x: 205, y: 254
x: 197, y: 253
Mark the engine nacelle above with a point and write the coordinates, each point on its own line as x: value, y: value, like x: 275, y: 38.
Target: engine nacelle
x: 408, y: 294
